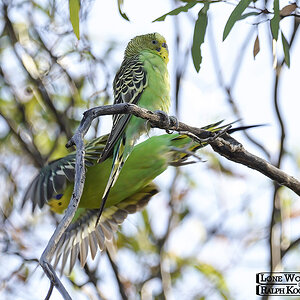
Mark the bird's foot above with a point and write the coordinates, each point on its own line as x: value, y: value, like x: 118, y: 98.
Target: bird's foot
x: 167, y: 121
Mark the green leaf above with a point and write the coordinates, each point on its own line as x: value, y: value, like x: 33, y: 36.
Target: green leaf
x: 74, y: 6
x: 286, y: 50
x: 274, y: 23
x: 235, y: 16
x: 252, y: 13
x: 177, y: 11
x: 199, y: 34
x: 216, y: 277
x: 120, y: 4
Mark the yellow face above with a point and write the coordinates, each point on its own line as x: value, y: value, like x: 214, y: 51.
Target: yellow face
x: 158, y: 43
x: 59, y: 203
x: 153, y: 41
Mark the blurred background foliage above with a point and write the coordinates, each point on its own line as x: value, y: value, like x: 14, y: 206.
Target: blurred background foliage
x: 48, y: 79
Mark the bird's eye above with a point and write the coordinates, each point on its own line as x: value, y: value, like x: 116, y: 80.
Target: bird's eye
x: 154, y: 42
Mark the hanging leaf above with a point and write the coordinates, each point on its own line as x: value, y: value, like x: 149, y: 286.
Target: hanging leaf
x: 199, y: 34
x: 287, y: 10
x: 216, y: 277
x: 256, y: 47
x: 286, y: 50
x: 120, y: 4
x: 74, y: 7
x: 235, y: 16
x: 177, y: 11
x: 250, y: 14
x: 274, y: 23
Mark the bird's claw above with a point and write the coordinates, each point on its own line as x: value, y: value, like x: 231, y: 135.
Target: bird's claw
x: 174, y: 122
x: 167, y: 121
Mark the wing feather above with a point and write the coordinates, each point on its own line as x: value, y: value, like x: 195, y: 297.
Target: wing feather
x: 83, y: 236
x: 129, y: 84
x: 53, y: 177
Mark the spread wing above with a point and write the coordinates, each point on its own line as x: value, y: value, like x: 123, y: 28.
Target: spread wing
x: 84, y: 234
x: 129, y: 84
x: 52, y: 178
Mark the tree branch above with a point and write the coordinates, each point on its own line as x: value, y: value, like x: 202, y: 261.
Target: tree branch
x: 70, y: 212
x: 225, y: 145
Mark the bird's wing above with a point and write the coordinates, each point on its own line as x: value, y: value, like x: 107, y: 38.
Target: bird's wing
x: 129, y: 84
x: 52, y: 178
x: 83, y: 235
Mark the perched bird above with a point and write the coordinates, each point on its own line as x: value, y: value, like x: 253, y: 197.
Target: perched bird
x: 133, y: 190
x: 142, y: 79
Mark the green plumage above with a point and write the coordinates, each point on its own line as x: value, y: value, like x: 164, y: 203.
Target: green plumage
x: 147, y: 161
x: 142, y: 79
x: 134, y: 188
x: 132, y: 191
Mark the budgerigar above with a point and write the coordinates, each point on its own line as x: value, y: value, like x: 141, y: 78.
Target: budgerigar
x: 134, y: 188
x: 142, y: 79
x: 54, y: 186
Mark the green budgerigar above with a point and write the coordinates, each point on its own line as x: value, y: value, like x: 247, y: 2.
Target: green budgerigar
x: 133, y: 190
x: 142, y: 79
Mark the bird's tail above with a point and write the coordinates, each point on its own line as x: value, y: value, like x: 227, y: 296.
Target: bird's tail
x: 119, y: 159
x: 183, y: 147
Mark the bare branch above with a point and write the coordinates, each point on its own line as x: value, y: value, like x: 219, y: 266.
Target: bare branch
x: 225, y: 145
x: 70, y: 212
x: 121, y: 286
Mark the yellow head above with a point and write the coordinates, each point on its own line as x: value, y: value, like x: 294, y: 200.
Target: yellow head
x: 59, y: 203
x: 152, y: 41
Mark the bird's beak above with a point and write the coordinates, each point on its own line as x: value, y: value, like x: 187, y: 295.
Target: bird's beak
x: 164, y: 45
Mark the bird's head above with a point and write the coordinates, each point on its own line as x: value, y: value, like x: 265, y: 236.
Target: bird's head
x: 152, y: 41
x: 58, y: 203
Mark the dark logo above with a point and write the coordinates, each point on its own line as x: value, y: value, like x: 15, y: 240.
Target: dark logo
x: 278, y: 283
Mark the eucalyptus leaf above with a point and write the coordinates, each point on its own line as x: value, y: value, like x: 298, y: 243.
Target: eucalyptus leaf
x: 177, y: 11
x: 256, y: 47
x: 274, y: 23
x: 74, y: 7
x: 286, y: 50
x: 249, y: 14
x: 120, y: 4
x: 235, y: 16
x: 199, y: 34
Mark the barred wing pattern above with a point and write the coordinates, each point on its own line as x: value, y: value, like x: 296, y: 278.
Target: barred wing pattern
x: 129, y: 84
x: 83, y: 236
x: 53, y: 178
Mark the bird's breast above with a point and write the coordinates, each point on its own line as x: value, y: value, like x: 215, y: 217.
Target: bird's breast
x: 157, y: 94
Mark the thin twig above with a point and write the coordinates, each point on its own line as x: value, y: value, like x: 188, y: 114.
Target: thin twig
x: 37, y: 82
x: 50, y: 291
x: 117, y: 275
x: 229, y: 87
